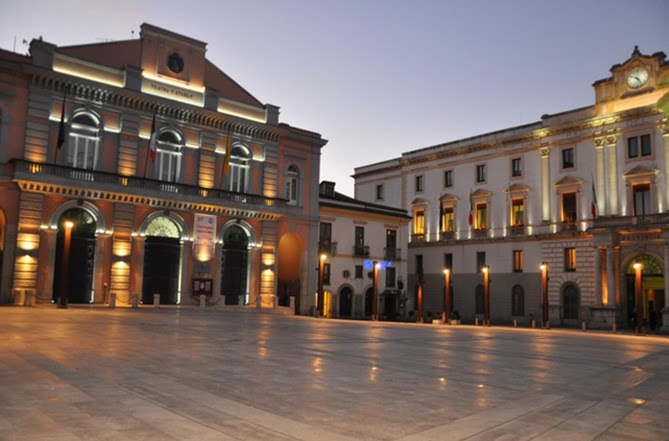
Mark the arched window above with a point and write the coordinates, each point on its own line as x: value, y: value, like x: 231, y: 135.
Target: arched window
x: 83, y: 142
x: 479, y: 299
x: 517, y: 301
x: 570, y: 302
x: 168, y: 157
x: 239, y: 169
x: 292, y: 184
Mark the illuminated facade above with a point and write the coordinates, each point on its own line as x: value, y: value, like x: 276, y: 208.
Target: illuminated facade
x: 352, y: 236
x: 584, y: 191
x: 177, y: 181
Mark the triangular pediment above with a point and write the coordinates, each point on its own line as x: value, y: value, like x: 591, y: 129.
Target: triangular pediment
x: 450, y: 197
x: 418, y: 201
x: 518, y: 188
x: 481, y: 193
x: 568, y: 180
x: 641, y: 170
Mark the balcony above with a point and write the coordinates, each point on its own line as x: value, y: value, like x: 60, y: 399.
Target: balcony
x: 631, y: 221
x: 392, y: 254
x: 418, y: 237
x: 103, y: 185
x: 361, y: 251
x: 480, y: 233
x: 447, y: 235
x: 327, y: 247
x: 517, y: 231
x: 568, y: 226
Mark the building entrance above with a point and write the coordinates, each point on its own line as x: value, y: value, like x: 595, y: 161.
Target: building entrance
x: 235, y: 264
x: 75, y: 257
x: 652, y: 293
x: 161, y: 270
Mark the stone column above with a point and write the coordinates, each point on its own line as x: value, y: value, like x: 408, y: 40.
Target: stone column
x: 612, y: 181
x: 610, y: 278
x: 599, y: 172
x: 545, y: 185
x: 665, y: 141
x: 599, y: 279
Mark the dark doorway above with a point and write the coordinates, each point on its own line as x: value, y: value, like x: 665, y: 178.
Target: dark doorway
x: 369, y: 300
x: 652, y: 293
x: 161, y: 269
x: 390, y: 305
x: 73, y: 277
x: 345, y: 302
x: 235, y: 264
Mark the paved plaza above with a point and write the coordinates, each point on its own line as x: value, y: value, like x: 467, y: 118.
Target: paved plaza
x: 209, y: 374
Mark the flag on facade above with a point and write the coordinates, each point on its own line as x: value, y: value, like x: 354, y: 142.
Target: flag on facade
x: 228, y: 150
x: 152, y: 140
x: 61, y: 126
x: 593, y: 207
x: 471, y: 208
x: 441, y: 215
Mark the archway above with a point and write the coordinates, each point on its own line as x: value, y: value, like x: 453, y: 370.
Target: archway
x: 75, y: 257
x: 345, y: 302
x: 235, y: 259
x: 162, y: 256
x: 290, y: 250
x: 652, y: 288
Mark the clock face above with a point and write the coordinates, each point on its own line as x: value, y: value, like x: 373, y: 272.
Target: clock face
x: 637, y: 78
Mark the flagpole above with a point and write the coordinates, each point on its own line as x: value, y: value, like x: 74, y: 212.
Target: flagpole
x: 61, y: 129
x: 226, y: 160
x: 148, y: 149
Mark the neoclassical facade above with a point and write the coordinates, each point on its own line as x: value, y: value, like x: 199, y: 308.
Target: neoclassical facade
x: 584, y: 192
x: 138, y: 168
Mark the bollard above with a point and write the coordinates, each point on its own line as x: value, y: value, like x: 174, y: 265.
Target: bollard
x: 292, y: 302
x: 28, y: 300
x: 258, y: 302
x: 613, y: 328
x: 534, y: 324
x: 223, y: 300
x: 476, y: 321
x: 276, y: 302
x: 515, y: 323
x: 135, y: 301
x: 240, y: 301
x: 156, y: 300
x: 112, y: 300
x: 203, y: 300
x: 583, y: 327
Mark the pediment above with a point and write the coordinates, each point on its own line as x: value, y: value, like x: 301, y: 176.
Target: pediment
x: 418, y: 201
x: 481, y: 193
x: 448, y: 197
x: 641, y: 170
x: 568, y: 180
x: 518, y: 188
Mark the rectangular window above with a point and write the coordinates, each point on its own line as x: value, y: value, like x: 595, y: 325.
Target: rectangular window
x: 568, y: 158
x: 358, y: 271
x: 448, y: 220
x: 448, y: 178
x: 481, y: 216
x: 517, y: 261
x: 419, y: 265
x: 570, y: 259
x: 480, y: 173
x: 419, y: 222
x: 325, y: 238
x: 641, y: 199
x: 326, y: 274
x: 390, y: 277
x: 448, y: 261
x: 480, y: 261
x: 392, y: 252
x: 379, y: 192
x: 569, y: 208
x: 420, y: 183
x: 638, y: 145
x: 516, y: 167
x: 518, y: 212
x: 359, y: 246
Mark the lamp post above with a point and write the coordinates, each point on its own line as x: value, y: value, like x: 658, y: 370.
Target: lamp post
x: 375, y: 291
x: 544, y: 295
x: 486, y: 295
x: 320, y: 307
x: 419, y: 299
x: 638, y: 267
x: 447, y: 296
x: 65, y: 264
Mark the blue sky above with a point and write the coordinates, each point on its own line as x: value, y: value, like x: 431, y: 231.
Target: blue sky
x: 378, y: 78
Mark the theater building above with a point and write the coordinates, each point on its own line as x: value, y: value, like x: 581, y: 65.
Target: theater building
x: 584, y: 192
x: 139, y: 167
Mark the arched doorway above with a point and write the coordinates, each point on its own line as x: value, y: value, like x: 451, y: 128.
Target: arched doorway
x: 345, y: 302
x: 290, y: 250
x: 652, y: 289
x: 571, y: 303
x: 235, y: 259
x: 162, y: 256
x: 75, y: 257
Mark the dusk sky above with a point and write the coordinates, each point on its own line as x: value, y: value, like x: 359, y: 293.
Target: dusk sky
x: 381, y: 77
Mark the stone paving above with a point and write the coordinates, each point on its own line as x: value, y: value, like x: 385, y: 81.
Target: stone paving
x: 90, y: 373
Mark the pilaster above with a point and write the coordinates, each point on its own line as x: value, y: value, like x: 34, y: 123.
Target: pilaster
x: 545, y: 185
x: 612, y: 201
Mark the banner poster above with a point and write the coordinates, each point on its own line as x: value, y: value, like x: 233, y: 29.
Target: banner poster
x: 204, y: 237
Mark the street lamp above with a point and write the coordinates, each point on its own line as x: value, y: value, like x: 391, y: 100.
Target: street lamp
x: 544, y: 294
x: 320, y: 307
x: 638, y: 267
x: 447, y: 296
x: 375, y: 291
x: 486, y: 295
x: 65, y: 264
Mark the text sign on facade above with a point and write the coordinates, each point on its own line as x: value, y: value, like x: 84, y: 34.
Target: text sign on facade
x: 204, y: 237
